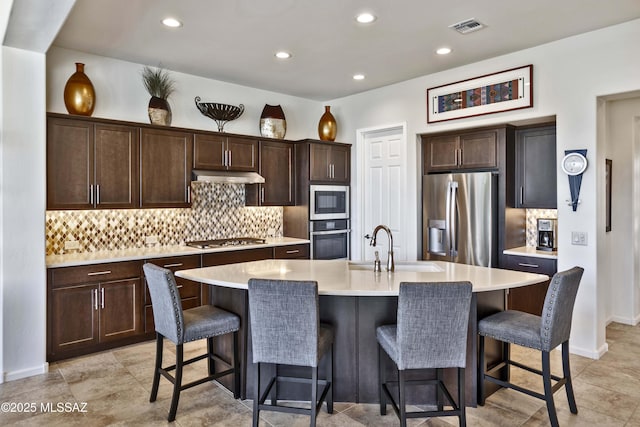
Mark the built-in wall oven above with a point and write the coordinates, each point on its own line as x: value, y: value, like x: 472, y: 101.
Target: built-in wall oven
x: 330, y: 239
x: 328, y: 202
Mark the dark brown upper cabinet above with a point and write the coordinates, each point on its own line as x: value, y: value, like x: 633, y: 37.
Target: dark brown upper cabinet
x: 535, y: 168
x: 277, y: 168
x: 166, y: 159
x: 91, y: 165
x: 221, y: 152
x: 463, y: 151
x: 330, y: 163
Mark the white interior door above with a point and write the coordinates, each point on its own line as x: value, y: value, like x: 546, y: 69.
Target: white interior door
x: 384, y: 191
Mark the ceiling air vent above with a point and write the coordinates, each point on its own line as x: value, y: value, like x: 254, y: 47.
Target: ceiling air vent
x: 467, y: 26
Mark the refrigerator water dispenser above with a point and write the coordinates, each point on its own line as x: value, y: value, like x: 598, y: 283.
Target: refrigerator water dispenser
x: 437, y: 229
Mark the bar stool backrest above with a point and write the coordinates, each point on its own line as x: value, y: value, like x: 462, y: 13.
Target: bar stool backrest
x: 558, y: 308
x: 433, y: 320
x: 165, y: 299
x: 284, y: 321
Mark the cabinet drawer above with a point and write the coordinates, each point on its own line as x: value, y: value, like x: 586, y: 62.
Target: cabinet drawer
x: 292, y: 251
x: 94, y: 273
x: 530, y: 264
x: 177, y: 263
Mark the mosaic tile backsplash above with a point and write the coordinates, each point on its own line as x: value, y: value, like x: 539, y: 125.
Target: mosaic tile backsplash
x: 532, y: 216
x: 217, y: 211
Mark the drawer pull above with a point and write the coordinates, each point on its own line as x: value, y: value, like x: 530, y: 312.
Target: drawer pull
x: 178, y: 264
x: 179, y: 286
x: 293, y: 251
x: 99, y: 273
x: 524, y: 264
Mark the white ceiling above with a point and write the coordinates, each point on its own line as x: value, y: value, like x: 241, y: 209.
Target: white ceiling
x: 235, y: 40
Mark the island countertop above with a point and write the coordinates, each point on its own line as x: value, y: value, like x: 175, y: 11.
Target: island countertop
x: 340, y: 277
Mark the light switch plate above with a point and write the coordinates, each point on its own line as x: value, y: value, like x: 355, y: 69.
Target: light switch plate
x: 579, y: 238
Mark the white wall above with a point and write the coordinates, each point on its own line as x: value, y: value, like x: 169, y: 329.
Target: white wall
x: 120, y: 95
x: 23, y: 207
x: 622, y: 242
x: 568, y: 76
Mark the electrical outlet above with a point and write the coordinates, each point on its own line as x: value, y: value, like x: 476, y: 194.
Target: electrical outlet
x: 151, y: 240
x: 71, y: 245
x: 579, y: 238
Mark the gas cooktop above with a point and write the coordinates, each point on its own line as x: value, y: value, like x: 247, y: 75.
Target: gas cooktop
x: 218, y: 243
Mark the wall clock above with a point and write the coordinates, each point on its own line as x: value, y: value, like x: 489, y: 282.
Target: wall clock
x: 574, y: 163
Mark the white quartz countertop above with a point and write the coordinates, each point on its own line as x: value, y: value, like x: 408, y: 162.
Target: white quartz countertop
x: 339, y: 277
x: 532, y: 252
x: 101, y: 257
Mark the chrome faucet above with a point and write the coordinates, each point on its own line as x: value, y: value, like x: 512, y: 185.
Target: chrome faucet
x: 390, y: 264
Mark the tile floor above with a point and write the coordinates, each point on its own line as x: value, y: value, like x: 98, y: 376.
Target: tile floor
x: 115, y: 386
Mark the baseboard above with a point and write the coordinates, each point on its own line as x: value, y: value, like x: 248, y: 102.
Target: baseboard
x: 590, y: 353
x: 625, y: 320
x: 24, y: 373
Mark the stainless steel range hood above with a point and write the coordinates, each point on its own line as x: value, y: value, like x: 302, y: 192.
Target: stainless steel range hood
x: 227, y: 177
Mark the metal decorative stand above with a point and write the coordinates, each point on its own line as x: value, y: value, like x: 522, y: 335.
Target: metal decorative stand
x: 220, y: 113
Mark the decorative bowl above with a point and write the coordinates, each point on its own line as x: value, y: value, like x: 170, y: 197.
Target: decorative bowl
x: 220, y: 113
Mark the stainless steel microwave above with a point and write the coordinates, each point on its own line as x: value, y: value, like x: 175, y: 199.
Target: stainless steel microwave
x: 328, y: 202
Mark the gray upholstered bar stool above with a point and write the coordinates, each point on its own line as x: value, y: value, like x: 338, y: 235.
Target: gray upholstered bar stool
x: 542, y: 333
x: 204, y: 322
x: 286, y: 330
x: 431, y: 333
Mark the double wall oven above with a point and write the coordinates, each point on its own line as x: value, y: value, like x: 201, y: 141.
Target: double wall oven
x: 329, y: 225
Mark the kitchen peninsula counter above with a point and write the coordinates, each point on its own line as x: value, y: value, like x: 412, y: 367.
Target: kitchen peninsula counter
x: 339, y: 277
x: 132, y: 254
x: 356, y: 300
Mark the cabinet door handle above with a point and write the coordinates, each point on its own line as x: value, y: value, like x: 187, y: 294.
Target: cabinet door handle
x: 333, y: 170
x: 229, y: 158
x: 99, y: 273
x: 97, y: 194
x: 295, y: 251
x: 262, y: 195
x: 102, y: 298
x: 521, y: 195
x: 524, y: 264
x: 459, y: 156
x: 95, y: 299
x: 225, y: 161
x: 188, y: 193
x: 91, y: 194
x: 178, y: 264
x: 329, y: 170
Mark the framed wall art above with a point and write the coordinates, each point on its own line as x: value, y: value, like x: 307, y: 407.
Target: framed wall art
x: 492, y: 93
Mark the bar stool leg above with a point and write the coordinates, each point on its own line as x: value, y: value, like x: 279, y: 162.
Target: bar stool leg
x: 274, y: 388
x: 330, y: 379
x: 481, y: 370
x: 461, y: 398
x: 236, y: 367
x: 566, y: 370
x: 156, y: 370
x: 177, y: 383
x: 383, y: 398
x: 314, y: 395
x: 256, y: 396
x: 210, y: 362
x: 401, y: 401
x: 440, y: 379
x: 548, y: 390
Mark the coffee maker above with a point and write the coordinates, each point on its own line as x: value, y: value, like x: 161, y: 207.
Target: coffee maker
x: 547, y: 233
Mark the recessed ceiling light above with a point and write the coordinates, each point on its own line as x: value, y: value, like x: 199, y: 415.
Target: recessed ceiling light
x: 172, y: 22
x: 358, y: 77
x: 443, y: 51
x: 283, y: 55
x: 365, y: 18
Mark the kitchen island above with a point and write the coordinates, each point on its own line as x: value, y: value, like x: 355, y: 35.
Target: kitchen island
x: 356, y: 300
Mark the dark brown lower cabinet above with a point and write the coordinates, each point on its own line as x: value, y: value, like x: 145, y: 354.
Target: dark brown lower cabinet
x: 92, y: 308
x: 529, y: 299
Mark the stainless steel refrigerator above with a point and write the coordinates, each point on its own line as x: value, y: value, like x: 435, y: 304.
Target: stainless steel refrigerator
x: 459, y: 218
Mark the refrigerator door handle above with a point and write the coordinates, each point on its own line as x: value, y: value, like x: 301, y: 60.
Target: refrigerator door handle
x: 452, y: 208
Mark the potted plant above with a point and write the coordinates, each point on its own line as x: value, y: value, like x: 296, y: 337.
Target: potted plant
x: 160, y: 86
